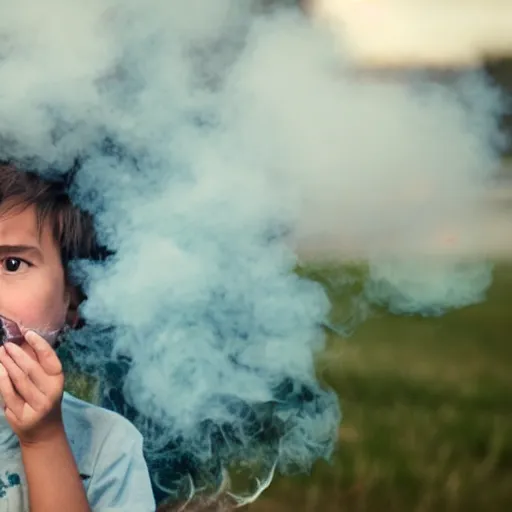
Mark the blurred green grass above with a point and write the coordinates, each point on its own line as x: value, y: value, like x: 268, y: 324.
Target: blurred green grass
x: 427, y: 407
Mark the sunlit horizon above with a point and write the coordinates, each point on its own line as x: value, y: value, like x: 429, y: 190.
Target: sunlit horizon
x: 409, y: 33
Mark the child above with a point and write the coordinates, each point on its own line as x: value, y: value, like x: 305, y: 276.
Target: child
x: 57, y: 453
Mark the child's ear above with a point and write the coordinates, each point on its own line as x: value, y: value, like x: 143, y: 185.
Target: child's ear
x: 72, y: 315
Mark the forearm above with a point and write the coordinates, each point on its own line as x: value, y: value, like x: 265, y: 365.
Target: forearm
x: 53, y: 478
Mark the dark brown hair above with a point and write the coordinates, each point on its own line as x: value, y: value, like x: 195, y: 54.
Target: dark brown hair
x: 72, y: 229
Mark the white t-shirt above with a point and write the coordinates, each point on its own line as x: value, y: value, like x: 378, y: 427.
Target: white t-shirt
x: 107, y: 450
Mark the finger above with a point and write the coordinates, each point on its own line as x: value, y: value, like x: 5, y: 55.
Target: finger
x: 29, y: 366
x: 12, y: 401
x: 25, y: 388
x: 45, y: 354
x: 28, y: 350
x: 11, y: 417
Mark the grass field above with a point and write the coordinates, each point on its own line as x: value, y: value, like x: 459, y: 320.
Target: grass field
x: 427, y: 407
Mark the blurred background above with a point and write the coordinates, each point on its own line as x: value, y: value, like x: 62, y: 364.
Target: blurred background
x: 427, y: 402
x: 427, y: 406
x: 394, y: 38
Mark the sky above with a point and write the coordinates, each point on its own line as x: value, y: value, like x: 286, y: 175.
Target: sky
x: 415, y: 32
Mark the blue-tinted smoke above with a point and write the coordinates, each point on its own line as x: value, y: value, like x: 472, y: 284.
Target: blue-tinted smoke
x: 209, y: 139
x: 427, y: 288
x: 198, y: 327
x: 411, y: 202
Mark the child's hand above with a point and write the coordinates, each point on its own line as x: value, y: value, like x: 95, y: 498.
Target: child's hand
x: 32, y: 384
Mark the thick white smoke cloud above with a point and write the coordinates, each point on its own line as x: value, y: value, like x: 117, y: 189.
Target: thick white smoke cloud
x: 386, y: 171
x: 211, y: 142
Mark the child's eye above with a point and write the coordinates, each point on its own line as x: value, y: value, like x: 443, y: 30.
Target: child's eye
x: 13, y: 265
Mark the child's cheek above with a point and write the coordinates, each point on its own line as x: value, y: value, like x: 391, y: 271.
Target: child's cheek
x: 34, y: 310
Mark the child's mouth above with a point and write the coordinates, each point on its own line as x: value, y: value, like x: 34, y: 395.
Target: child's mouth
x: 11, y: 332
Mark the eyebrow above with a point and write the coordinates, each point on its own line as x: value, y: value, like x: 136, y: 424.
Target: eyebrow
x: 9, y: 250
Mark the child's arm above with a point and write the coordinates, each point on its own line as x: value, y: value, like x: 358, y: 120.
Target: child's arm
x: 52, y: 476
x: 32, y: 384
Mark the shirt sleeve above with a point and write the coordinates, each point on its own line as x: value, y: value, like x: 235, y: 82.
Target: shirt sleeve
x: 120, y: 481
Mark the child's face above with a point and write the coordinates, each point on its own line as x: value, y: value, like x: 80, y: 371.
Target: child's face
x: 33, y: 289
